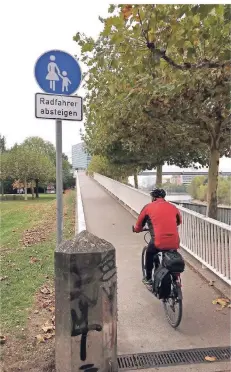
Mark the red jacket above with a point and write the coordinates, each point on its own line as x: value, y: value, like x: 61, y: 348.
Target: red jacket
x: 162, y: 218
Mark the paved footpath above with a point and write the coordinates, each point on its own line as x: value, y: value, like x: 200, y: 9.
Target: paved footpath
x: 142, y: 326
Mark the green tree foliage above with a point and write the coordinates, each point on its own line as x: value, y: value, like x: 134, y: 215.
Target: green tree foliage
x: 202, y: 192
x: 42, y: 146
x: 224, y: 190
x: 2, y: 144
x: 119, y: 172
x: 27, y: 164
x: 158, y: 87
x: 47, y: 148
x: 33, y: 160
x: 195, y: 184
x: 4, y: 172
x: 3, y: 162
x: 199, y: 187
x: 68, y: 179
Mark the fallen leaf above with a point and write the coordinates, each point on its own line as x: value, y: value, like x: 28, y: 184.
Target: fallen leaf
x: 46, y: 304
x: 211, y: 283
x: 33, y: 260
x: 3, y: 278
x: 49, y: 335
x: 229, y: 306
x: 47, y: 327
x: 36, y: 312
x: 45, y: 290
x: 52, y: 309
x: 2, y: 340
x: 40, y: 338
x: 224, y: 302
x: 35, y: 235
x: 210, y: 358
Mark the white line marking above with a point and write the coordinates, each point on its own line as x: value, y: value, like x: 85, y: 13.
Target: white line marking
x: 80, y: 223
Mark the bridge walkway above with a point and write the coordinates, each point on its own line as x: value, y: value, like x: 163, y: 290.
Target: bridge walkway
x: 142, y: 326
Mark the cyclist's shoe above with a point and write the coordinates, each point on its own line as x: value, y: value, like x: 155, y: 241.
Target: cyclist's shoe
x: 147, y: 281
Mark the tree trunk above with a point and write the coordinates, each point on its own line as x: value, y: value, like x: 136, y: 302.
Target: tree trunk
x: 25, y: 189
x: 136, y: 180
x: 159, y: 175
x: 37, y: 188
x: 213, y: 183
x: 32, y: 189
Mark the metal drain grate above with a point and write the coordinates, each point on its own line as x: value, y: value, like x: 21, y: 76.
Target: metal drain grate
x: 172, y: 357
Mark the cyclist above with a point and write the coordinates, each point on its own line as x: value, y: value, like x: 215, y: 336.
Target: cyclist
x: 162, y: 219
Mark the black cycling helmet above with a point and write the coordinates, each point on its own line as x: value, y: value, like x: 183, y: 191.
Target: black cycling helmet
x: 158, y: 193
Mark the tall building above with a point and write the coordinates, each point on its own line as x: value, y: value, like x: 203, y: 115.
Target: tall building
x: 80, y: 157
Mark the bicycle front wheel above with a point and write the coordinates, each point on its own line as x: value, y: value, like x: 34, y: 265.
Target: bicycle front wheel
x: 173, y: 307
x: 143, y: 262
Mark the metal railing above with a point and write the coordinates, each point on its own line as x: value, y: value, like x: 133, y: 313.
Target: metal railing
x: 208, y: 240
x: 223, y: 213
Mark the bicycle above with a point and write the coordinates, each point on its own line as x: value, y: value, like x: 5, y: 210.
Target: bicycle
x: 173, y: 303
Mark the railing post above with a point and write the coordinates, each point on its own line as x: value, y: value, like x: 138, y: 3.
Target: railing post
x: 86, y: 305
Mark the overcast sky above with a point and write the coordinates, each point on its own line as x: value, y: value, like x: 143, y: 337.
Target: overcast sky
x: 28, y: 29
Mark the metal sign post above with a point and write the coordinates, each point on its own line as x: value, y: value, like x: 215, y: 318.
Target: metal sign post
x: 59, y: 182
x: 59, y: 75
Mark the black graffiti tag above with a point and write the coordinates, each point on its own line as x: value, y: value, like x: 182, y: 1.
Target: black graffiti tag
x: 85, y: 292
x: 108, y: 267
x: 110, y: 292
x: 80, y: 324
x: 81, y: 327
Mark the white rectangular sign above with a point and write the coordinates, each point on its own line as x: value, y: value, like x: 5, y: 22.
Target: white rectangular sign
x: 52, y: 106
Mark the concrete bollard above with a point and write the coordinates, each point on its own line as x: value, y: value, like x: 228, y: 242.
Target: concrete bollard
x: 86, y: 305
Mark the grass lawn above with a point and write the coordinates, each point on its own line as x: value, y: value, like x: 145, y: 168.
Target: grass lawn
x: 28, y: 238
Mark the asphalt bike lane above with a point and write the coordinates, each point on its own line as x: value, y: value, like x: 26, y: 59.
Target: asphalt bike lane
x: 142, y: 326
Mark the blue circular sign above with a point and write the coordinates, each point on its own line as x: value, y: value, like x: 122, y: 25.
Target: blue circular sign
x: 58, y: 72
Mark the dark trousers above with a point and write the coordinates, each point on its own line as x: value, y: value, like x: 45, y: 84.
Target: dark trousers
x: 150, y: 255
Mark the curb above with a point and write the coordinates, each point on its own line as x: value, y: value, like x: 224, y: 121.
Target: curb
x: 80, y: 222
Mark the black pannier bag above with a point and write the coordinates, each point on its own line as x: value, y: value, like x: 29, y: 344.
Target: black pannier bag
x: 162, y: 282
x: 173, y: 261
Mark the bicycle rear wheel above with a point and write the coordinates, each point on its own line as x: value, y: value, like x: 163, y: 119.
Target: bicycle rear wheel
x: 143, y: 261
x: 173, y: 306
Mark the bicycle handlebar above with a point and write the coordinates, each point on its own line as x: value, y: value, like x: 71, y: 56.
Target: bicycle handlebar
x: 144, y: 229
